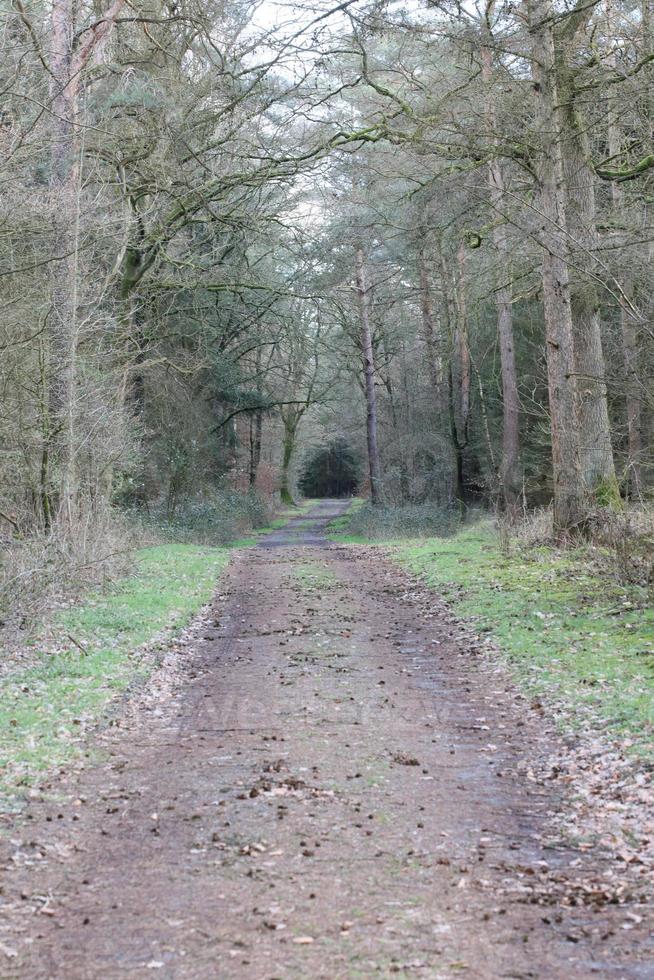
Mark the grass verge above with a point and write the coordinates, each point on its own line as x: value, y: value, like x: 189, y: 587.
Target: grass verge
x: 92, y: 654
x: 340, y: 530
x: 571, y: 634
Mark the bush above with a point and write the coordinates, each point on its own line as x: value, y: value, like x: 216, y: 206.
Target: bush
x: 331, y: 471
x: 409, y: 521
x: 619, y: 541
x: 42, y: 571
x: 212, y: 520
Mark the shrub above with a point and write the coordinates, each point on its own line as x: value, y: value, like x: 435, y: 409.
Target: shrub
x: 215, y: 519
x: 44, y: 570
x: 409, y: 521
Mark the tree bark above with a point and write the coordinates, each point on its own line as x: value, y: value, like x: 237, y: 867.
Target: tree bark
x: 462, y: 349
x: 64, y: 181
x: 434, y: 362
x: 439, y: 383
x: 398, y: 431
x: 256, y: 426
x: 596, y: 451
x: 461, y: 380
x: 628, y: 324
x: 67, y: 64
x: 511, y: 467
x: 367, y: 353
x: 291, y: 421
x: 449, y: 314
x: 568, y: 486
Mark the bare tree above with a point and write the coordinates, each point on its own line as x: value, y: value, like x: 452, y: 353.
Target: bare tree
x: 71, y: 52
x: 569, y: 492
x: 511, y: 470
x: 368, y: 358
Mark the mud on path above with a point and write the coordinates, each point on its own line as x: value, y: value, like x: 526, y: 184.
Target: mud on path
x: 339, y: 788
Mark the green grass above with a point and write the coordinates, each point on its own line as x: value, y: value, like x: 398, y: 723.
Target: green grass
x: 572, y: 634
x: 44, y: 709
x: 313, y: 576
x: 91, y: 655
x: 338, y: 528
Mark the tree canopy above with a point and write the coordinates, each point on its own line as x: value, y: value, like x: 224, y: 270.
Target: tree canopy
x: 230, y: 231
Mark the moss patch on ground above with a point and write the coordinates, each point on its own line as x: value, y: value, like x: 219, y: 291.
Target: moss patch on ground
x: 313, y: 576
x: 570, y: 632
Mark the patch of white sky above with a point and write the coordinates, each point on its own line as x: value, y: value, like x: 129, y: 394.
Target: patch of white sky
x: 303, y: 28
x: 302, y: 31
x: 296, y: 35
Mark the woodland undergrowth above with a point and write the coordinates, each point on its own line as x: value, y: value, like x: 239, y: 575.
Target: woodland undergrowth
x: 41, y: 573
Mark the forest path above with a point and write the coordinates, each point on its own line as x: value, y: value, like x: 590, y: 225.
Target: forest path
x: 335, y: 790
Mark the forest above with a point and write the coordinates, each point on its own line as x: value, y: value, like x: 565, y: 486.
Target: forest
x: 208, y: 224
x: 338, y: 300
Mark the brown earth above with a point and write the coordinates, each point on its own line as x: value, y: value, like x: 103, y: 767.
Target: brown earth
x: 340, y: 785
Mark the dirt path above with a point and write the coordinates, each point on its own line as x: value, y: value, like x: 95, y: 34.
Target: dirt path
x: 339, y: 788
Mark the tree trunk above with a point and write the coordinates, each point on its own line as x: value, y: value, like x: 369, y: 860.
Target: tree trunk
x: 64, y: 182
x: 368, y: 376
x: 461, y: 376
x: 641, y: 398
x: 434, y: 362
x: 568, y: 486
x: 628, y: 325
x: 288, y: 446
x: 255, y: 447
x: 511, y: 468
x: 596, y: 452
x: 132, y: 316
x: 68, y: 57
x: 462, y: 349
x: 256, y: 425
x: 449, y: 315
x: 440, y: 384
x: 398, y: 431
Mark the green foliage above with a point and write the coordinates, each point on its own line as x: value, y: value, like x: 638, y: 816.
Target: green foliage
x: 44, y: 709
x: 216, y: 519
x: 571, y: 634
x: 331, y: 471
x: 607, y: 494
x: 413, y: 520
x: 138, y: 94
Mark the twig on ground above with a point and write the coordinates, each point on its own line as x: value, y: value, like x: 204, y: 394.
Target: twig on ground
x: 78, y: 644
